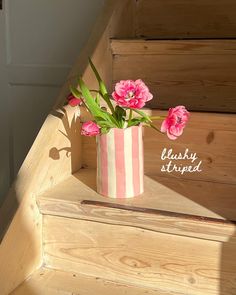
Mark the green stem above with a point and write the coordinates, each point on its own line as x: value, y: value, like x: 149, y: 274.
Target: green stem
x: 107, y: 100
x: 155, y: 128
x: 110, y: 106
x: 86, y: 106
x: 130, y: 116
x: 157, y: 118
x: 93, y: 90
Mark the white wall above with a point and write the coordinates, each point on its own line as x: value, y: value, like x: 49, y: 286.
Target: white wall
x: 39, y: 42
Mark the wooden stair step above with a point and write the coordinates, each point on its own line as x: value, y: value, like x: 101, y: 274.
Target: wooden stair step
x: 159, y: 208
x: 143, y: 258
x: 53, y: 282
x: 199, y: 74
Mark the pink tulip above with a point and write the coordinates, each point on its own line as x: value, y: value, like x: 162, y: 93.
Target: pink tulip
x: 131, y: 94
x: 175, y: 122
x: 90, y: 129
x: 73, y: 101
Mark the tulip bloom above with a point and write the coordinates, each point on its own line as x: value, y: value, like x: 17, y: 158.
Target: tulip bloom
x: 175, y: 122
x: 131, y: 94
x: 90, y: 129
x: 73, y: 101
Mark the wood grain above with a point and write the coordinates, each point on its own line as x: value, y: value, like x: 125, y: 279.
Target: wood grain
x: 123, y: 21
x: 173, y: 47
x: 54, y: 282
x: 203, y: 135
x: 159, y: 209
x: 174, y: 264
x: 197, y: 74
x: 48, y: 162
x: 185, y: 19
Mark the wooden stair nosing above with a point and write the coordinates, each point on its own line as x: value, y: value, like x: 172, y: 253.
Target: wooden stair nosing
x: 89, y: 205
x: 154, y: 220
x: 47, y: 281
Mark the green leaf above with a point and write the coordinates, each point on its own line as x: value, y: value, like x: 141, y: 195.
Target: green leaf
x: 97, y: 99
x: 102, y: 87
x: 120, y: 115
x: 75, y: 92
x: 101, y: 83
x: 136, y: 121
x: 120, y: 112
x: 93, y: 107
x: 90, y: 102
x: 142, y: 114
x: 102, y: 123
x: 105, y: 130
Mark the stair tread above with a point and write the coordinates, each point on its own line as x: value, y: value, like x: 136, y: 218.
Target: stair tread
x: 159, y: 208
x: 49, y: 282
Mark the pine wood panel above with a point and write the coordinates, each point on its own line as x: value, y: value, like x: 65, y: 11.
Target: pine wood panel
x: 203, y: 135
x: 82, y: 186
x: 123, y: 20
x: 46, y: 164
x: 161, y: 209
x: 181, y: 73
x: 173, y: 47
x: 53, y: 282
x: 186, y: 265
x: 185, y: 19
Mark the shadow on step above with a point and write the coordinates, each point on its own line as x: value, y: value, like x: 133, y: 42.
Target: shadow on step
x: 71, y: 131
x: 220, y: 200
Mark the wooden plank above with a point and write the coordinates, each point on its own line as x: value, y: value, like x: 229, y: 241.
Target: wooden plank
x: 53, y: 282
x: 82, y: 186
x: 195, y: 78
x: 47, y: 163
x: 172, y: 263
x: 186, y: 19
x: 203, y: 135
x: 204, y: 139
x: 173, y: 47
x: 123, y: 20
x: 159, y: 209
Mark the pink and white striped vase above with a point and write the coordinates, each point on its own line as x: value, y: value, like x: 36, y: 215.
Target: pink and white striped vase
x: 120, y: 163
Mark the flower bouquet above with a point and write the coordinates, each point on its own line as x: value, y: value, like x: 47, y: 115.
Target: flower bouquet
x: 117, y: 123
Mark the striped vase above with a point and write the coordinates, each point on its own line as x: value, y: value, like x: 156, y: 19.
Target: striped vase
x: 120, y: 163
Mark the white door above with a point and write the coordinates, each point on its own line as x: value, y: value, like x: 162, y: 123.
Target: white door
x: 39, y: 42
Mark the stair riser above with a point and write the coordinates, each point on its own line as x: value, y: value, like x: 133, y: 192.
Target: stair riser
x: 145, y: 258
x: 154, y: 220
x: 200, y: 81
x: 204, y: 136
x: 185, y: 19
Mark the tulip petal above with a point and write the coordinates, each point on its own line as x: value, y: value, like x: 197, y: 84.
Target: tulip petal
x: 164, y: 126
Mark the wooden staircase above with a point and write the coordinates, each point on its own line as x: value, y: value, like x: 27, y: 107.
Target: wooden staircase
x: 178, y: 238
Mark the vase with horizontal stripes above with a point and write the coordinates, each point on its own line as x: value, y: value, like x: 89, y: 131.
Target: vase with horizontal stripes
x: 120, y: 162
